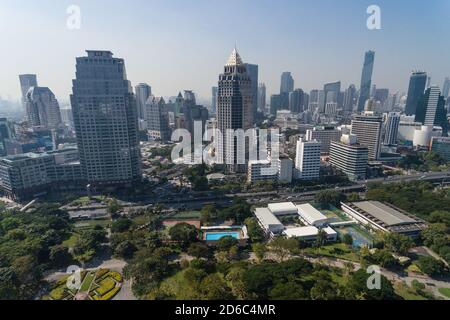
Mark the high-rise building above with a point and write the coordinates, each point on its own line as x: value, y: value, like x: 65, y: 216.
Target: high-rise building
x: 143, y: 92
x: 26, y: 82
x: 252, y: 71
x: 42, y: 108
x: 431, y: 109
x: 366, y: 79
x: 157, y: 119
x: 441, y: 145
x: 307, y: 160
x: 234, y: 108
x: 382, y: 96
x: 368, y: 128
x: 6, y: 132
x: 349, y: 157
x: 391, y: 128
x: 350, y: 98
x: 324, y: 134
x: 275, y: 104
x: 331, y: 91
x: 262, y: 97
x: 287, y: 83
x: 296, y: 101
x: 214, y: 91
x: 446, y: 88
x: 106, y: 122
x: 416, y: 88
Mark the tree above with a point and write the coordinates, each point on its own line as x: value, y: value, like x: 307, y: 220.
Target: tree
x: 183, y: 233
x: 347, y: 239
x: 235, y: 279
x: 431, y: 266
x: 60, y: 256
x: 321, y: 239
x: 208, y: 213
x: 125, y: 249
x: 259, y: 249
x: 282, y: 247
x: 353, y: 197
x: 198, y: 250
x: 121, y: 225
x: 113, y: 207
x: 397, y: 243
x: 326, y: 198
x: 288, y: 291
x: 324, y: 290
x: 358, y: 286
x: 255, y: 232
x: 213, y: 287
x: 226, y: 243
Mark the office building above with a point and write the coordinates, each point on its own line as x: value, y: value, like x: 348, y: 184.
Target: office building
x: 143, y: 91
x: 446, y: 88
x: 252, y: 72
x: 157, y: 119
x: 431, y: 109
x: 297, y: 101
x: 234, y: 109
x: 366, y: 79
x: 27, y: 175
x: 42, y: 108
x: 391, y: 128
x: 287, y: 83
x: 441, y: 146
x: 307, y: 160
x: 26, y: 82
x: 106, y: 122
x: 349, y: 157
x: 324, y: 135
x: 331, y: 92
x: 262, y: 98
x: 350, y: 98
x: 416, y: 88
x: 214, y: 91
x: 368, y: 129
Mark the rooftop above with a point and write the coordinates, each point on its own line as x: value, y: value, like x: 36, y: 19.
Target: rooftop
x: 283, y: 208
x: 384, y: 213
x: 310, y: 213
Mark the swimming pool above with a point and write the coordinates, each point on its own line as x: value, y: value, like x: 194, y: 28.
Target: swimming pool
x: 214, y: 236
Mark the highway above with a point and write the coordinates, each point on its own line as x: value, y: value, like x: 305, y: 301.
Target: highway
x: 197, y: 202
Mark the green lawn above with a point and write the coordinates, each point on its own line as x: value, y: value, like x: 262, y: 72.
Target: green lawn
x: 87, y: 282
x: 70, y: 242
x: 337, y: 250
x: 445, y: 292
x: 407, y: 292
x: 89, y: 224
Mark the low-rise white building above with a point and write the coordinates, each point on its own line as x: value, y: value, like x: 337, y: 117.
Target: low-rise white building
x: 309, y: 233
x: 311, y: 215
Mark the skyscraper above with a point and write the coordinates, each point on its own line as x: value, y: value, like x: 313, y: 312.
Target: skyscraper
x: 416, y: 88
x: 214, y: 91
x: 331, y: 91
x: 42, y: 108
x: 391, y: 128
x: 26, y: 82
x: 105, y: 118
x: 252, y: 71
x: 297, y: 101
x: 366, y: 79
x: 431, y: 109
x: 234, y: 108
x: 307, y: 160
x: 287, y: 83
x: 157, y: 119
x: 262, y: 97
x: 368, y: 129
x: 143, y: 92
x: 350, y: 98
x: 349, y: 157
x: 446, y: 88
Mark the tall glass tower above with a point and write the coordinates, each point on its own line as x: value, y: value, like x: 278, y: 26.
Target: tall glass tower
x: 366, y: 79
x: 417, y: 84
x: 105, y: 118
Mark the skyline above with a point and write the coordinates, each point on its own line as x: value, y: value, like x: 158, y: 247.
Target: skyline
x: 169, y: 62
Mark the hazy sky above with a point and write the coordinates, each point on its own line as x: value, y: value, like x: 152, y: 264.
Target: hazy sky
x: 183, y: 44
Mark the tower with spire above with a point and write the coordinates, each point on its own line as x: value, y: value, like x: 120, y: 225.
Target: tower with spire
x: 234, y: 108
